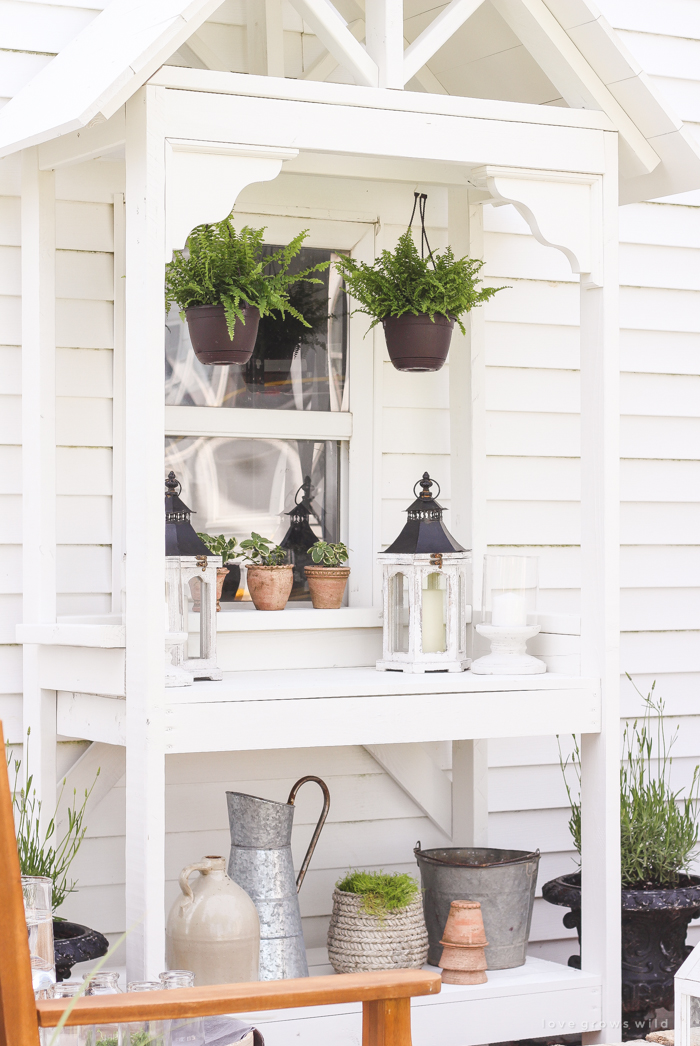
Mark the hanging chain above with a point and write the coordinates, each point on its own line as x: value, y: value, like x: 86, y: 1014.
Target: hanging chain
x: 420, y: 199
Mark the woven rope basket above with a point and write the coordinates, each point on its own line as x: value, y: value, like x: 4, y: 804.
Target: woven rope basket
x: 359, y: 942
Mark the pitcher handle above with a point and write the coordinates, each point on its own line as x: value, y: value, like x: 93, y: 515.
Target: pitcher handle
x: 321, y: 821
x: 183, y: 879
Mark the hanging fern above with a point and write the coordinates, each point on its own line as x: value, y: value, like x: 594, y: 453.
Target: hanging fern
x: 223, y: 267
x: 400, y: 281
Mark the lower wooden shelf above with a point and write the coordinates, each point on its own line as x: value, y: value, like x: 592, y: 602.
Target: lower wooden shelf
x: 532, y: 1001
x: 305, y: 708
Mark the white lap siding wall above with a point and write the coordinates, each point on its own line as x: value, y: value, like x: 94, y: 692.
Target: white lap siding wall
x: 533, y: 479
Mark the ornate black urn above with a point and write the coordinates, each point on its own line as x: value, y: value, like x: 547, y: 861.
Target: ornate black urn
x: 654, y: 926
x: 74, y: 943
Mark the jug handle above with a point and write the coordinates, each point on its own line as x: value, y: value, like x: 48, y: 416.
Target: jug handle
x: 185, y: 875
x: 321, y: 821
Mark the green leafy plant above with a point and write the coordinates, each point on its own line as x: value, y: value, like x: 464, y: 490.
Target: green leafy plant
x: 658, y: 826
x: 382, y: 891
x: 328, y: 553
x: 223, y: 267
x: 219, y: 545
x: 41, y: 852
x: 400, y: 281
x: 262, y: 551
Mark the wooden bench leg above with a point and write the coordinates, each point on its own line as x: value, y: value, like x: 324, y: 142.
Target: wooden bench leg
x: 386, y: 1022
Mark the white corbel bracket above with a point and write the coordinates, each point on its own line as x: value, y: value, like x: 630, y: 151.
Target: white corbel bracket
x: 203, y: 180
x: 562, y: 210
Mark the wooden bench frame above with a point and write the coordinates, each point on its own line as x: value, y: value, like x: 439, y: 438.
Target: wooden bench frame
x: 385, y: 996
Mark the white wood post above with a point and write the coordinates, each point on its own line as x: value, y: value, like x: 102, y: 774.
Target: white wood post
x: 38, y: 224
x: 470, y: 793
x: 118, y: 419
x: 145, y: 536
x: 384, y: 38
x: 600, y: 594
x: 265, y: 37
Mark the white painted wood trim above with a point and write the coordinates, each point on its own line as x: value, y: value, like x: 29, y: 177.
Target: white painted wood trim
x: 442, y: 27
x: 470, y: 793
x: 600, y: 596
x: 413, y: 769
x: 38, y: 237
x: 384, y: 41
x: 72, y: 635
x: 109, y: 760
x: 249, y: 422
x: 118, y: 404
x: 265, y: 37
x: 332, y: 31
x: 86, y: 144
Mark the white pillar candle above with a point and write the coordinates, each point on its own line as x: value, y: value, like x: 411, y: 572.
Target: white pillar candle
x: 509, y: 609
x: 433, y: 620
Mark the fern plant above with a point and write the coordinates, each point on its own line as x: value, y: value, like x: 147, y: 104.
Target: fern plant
x: 223, y: 267
x: 400, y: 282
x: 658, y: 826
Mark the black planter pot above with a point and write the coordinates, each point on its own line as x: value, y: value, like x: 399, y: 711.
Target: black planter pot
x: 418, y: 342
x: 74, y: 943
x: 654, y: 927
x: 210, y: 338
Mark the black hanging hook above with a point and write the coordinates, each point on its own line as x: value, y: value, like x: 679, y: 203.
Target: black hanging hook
x: 420, y: 199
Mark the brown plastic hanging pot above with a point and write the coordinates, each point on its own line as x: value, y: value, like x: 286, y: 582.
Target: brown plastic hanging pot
x: 418, y: 343
x: 210, y: 338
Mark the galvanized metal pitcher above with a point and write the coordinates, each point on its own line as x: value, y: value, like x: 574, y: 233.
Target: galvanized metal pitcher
x: 261, y: 862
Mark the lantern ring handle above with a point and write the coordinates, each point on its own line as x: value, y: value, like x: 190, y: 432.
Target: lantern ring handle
x: 417, y: 484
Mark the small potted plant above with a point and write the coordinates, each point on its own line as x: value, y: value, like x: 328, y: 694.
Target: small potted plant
x: 225, y: 281
x: 327, y: 576
x: 270, y: 579
x: 218, y: 545
x: 377, y: 923
x: 416, y: 299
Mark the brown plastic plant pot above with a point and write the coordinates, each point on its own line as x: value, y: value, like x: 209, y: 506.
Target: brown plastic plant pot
x: 327, y: 586
x: 210, y: 338
x: 270, y: 587
x: 418, y: 343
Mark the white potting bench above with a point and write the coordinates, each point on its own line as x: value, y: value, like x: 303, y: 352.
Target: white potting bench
x: 194, y: 139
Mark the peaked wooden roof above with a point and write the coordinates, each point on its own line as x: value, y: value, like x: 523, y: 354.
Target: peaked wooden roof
x: 578, y: 50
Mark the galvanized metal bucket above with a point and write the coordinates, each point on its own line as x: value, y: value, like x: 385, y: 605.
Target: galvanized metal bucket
x: 502, y: 881
x: 261, y: 862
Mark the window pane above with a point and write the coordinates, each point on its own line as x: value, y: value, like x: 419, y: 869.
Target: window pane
x: 239, y: 485
x: 292, y: 367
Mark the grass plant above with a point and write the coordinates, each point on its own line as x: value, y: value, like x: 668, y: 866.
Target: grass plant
x: 658, y: 825
x: 382, y: 891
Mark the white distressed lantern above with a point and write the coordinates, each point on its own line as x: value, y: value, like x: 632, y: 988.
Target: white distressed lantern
x: 425, y: 592
x: 687, y: 1001
x: 509, y: 609
x: 186, y: 558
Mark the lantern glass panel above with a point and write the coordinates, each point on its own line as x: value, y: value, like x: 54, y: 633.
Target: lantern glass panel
x: 399, y: 613
x: 434, y: 613
x: 293, y: 367
x: 236, y: 486
x: 510, y: 590
x: 694, y: 1013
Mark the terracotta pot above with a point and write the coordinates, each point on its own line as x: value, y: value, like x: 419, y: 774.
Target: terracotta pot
x: 210, y: 338
x: 327, y: 586
x: 417, y: 342
x: 465, y: 924
x: 196, y: 589
x: 462, y: 957
x: 464, y: 977
x: 270, y: 587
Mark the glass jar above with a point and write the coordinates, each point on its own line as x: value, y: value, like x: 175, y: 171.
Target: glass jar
x: 145, y: 1033
x: 38, y: 911
x: 187, y: 1031
x: 79, y: 1035
x: 106, y: 983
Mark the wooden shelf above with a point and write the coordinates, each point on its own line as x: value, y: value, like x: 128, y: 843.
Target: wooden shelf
x: 346, y: 706
x: 535, y: 1000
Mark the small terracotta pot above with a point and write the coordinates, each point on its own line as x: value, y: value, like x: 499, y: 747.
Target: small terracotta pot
x: 196, y: 589
x: 464, y: 977
x: 462, y: 957
x: 270, y: 587
x: 465, y: 924
x: 210, y: 338
x: 327, y: 586
x: 418, y: 342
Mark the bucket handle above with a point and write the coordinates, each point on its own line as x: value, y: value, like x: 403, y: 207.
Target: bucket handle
x: 321, y: 821
x: 496, y: 864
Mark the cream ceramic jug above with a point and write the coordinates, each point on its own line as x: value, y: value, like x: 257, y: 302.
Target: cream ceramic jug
x: 213, y: 927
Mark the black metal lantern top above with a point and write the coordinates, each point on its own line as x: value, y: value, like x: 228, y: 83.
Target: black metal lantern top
x: 180, y: 536
x: 424, y: 532
x: 300, y: 537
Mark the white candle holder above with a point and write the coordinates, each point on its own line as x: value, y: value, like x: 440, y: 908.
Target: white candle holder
x: 509, y: 609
